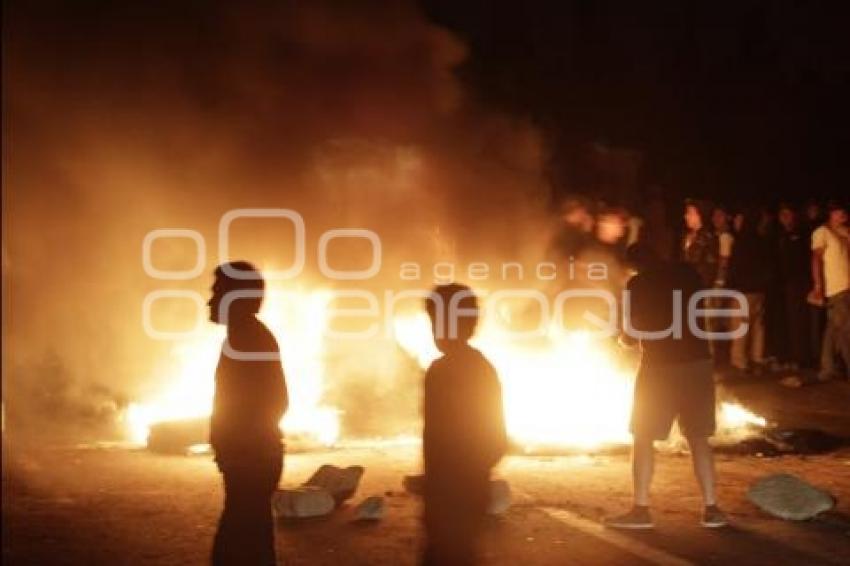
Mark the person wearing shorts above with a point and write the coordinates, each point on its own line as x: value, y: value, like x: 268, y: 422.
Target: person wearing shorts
x: 831, y: 276
x: 674, y: 383
x: 666, y: 393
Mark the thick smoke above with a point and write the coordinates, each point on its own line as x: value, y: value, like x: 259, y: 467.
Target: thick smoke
x: 122, y: 119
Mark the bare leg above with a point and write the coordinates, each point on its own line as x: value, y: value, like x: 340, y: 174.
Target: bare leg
x: 643, y: 460
x: 643, y: 463
x: 703, y: 461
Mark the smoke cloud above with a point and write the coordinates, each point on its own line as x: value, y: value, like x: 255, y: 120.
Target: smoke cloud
x: 119, y: 120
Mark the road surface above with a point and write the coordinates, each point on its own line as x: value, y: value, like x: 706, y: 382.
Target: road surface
x: 118, y: 506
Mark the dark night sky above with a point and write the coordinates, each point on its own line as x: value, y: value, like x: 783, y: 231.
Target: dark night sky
x: 726, y: 98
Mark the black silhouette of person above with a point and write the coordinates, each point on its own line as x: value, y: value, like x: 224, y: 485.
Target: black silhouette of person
x: 463, y: 433
x: 250, y: 399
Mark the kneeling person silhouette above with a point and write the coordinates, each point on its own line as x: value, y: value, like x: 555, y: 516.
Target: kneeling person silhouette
x: 464, y: 432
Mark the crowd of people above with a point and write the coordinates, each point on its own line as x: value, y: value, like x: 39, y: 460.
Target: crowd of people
x: 790, y: 270
x: 791, y: 267
x: 790, y: 262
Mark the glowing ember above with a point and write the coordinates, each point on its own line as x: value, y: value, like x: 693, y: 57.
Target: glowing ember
x: 735, y: 416
x: 195, y: 449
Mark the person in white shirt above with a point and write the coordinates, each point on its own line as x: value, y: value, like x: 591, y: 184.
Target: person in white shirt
x: 831, y: 276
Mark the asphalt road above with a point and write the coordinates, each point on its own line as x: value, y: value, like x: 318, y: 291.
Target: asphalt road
x: 99, y: 506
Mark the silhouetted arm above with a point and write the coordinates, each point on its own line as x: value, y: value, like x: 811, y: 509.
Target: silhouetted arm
x: 626, y: 340
x: 493, y: 420
x: 278, y: 396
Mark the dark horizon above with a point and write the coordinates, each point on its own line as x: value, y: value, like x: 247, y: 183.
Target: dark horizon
x: 738, y: 102
x: 743, y: 101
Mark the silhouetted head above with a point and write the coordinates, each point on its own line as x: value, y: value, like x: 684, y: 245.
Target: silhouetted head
x: 247, y: 286
x: 812, y: 210
x: 720, y: 219
x: 738, y: 221
x: 576, y: 213
x: 453, y: 310
x: 836, y: 213
x: 611, y: 224
x: 748, y: 222
x: 694, y: 215
x: 787, y: 217
x: 766, y: 221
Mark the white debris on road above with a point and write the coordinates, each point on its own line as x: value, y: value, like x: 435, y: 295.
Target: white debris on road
x: 341, y: 483
x: 789, y: 497
x: 370, y: 509
x: 302, y: 502
x: 500, y: 497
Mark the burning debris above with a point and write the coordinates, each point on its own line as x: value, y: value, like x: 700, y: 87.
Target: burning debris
x: 413, y: 483
x: 299, y: 317
x: 563, y: 390
x: 178, y: 437
x: 772, y: 442
x: 566, y: 393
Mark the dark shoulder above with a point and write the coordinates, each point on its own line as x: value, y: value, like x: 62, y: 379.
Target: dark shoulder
x: 635, y: 281
x: 482, y: 360
x: 686, y: 273
x: 479, y: 368
x: 254, y: 336
x: 436, y: 367
x: 466, y: 360
x: 645, y: 280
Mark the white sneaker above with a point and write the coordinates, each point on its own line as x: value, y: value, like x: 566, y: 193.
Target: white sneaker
x: 713, y: 517
x: 637, y: 518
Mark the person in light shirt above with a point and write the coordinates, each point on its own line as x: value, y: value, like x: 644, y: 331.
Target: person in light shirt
x: 831, y: 276
x: 463, y: 434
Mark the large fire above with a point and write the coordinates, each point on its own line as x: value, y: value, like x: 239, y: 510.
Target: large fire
x: 565, y: 390
x: 298, y: 319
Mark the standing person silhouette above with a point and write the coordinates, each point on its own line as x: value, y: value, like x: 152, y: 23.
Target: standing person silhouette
x: 250, y: 399
x: 464, y: 431
x: 674, y: 382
